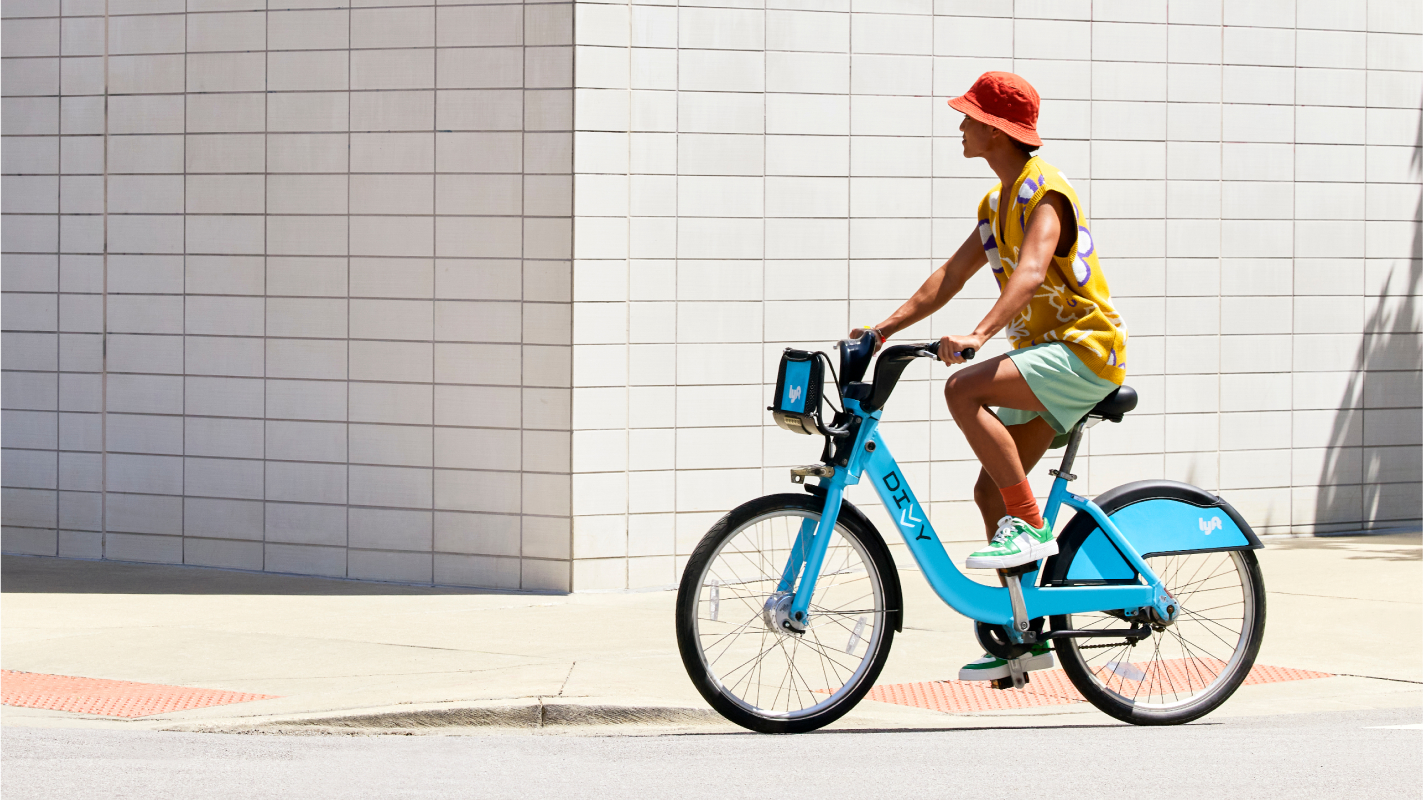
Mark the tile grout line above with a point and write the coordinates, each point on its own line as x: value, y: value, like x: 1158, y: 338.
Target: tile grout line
x: 676, y: 278
x: 346, y: 528
x: 627, y: 330
x: 104, y: 314
x: 183, y: 346
x: 58, y: 293
x: 1220, y: 250
x: 435, y: 280
x: 266, y: 261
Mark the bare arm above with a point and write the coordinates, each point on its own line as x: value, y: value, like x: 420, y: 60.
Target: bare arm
x: 939, y: 288
x: 1043, y: 237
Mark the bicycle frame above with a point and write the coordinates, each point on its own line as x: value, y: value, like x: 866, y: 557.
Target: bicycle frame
x: 987, y: 604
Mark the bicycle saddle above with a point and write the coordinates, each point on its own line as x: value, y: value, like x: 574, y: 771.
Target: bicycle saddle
x: 1114, y: 405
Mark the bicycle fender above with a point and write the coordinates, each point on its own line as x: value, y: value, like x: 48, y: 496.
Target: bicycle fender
x: 1157, y: 517
x: 852, y: 515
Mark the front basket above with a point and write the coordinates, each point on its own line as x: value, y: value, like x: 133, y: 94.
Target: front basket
x: 800, y: 384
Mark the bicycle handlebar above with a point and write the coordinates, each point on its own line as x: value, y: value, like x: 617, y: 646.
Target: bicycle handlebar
x: 855, y: 355
x: 932, y: 349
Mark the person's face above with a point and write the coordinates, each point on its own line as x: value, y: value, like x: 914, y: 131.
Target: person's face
x: 977, y: 137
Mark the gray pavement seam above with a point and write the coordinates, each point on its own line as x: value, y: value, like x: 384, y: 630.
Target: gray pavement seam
x: 1338, y: 597
x: 1377, y: 678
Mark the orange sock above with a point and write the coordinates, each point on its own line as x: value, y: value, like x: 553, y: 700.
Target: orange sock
x: 1019, y: 502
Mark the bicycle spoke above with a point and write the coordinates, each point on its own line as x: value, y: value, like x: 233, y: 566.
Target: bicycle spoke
x: 834, y: 665
x: 1222, y: 626
x: 728, y: 635
x: 825, y: 652
x: 739, y: 581
x: 1203, y: 582
x: 1183, y: 597
x: 753, y: 662
x: 1211, y: 649
x: 1200, y: 612
x: 1191, y: 651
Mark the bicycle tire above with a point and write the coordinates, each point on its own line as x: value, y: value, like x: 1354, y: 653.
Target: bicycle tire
x: 748, y: 701
x: 1094, y: 674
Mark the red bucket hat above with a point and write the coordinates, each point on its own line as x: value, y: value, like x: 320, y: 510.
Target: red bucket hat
x: 1005, y: 101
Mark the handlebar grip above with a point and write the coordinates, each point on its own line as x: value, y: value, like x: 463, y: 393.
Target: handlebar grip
x: 967, y: 353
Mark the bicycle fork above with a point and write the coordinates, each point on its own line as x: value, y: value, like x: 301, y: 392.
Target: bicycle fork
x: 808, y: 556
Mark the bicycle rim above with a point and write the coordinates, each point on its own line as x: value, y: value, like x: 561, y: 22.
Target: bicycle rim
x: 766, y: 671
x: 1191, y: 662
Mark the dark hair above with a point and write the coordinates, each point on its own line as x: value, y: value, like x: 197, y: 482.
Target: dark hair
x: 1025, y: 147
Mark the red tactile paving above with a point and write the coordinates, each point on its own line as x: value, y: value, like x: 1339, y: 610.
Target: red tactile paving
x: 109, y: 698
x: 1049, y: 687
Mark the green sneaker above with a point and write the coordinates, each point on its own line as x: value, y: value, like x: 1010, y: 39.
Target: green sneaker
x: 1015, y: 543
x: 991, y: 667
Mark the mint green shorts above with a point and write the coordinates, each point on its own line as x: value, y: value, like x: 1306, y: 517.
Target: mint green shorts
x: 1061, y: 382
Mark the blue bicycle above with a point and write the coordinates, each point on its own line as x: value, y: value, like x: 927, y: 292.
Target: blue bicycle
x: 1154, y: 603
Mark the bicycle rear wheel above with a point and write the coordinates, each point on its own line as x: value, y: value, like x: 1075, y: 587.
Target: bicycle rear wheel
x: 755, y: 673
x: 1185, y: 670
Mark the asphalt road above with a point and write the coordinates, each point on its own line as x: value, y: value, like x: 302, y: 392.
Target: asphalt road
x: 1321, y: 755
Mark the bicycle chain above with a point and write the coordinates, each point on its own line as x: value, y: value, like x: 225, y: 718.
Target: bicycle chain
x: 1101, y: 646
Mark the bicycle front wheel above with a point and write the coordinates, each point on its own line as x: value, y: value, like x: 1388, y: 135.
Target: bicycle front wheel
x: 1185, y: 670
x: 749, y: 668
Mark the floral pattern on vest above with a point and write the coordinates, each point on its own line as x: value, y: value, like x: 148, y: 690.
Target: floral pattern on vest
x: 1073, y: 305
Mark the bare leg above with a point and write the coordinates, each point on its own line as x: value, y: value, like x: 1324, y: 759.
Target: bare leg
x: 1032, y: 439
x: 970, y: 392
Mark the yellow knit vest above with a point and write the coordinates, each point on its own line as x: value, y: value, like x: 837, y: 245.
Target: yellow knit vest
x: 1073, y: 305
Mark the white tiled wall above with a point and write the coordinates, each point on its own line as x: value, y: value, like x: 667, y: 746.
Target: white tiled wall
x: 288, y: 289
x: 748, y: 178
x: 299, y: 297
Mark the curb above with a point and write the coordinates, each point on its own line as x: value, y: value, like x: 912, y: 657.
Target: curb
x: 527, y: 716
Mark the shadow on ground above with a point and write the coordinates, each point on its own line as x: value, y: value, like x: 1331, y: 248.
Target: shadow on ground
x: 1376, y: 547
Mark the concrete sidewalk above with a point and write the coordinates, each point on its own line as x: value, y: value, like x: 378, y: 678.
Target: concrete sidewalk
x: 342, y: 655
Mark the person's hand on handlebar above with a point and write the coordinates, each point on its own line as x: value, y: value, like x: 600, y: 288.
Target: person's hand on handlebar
x: 856, y: 333
x: 951, y: 348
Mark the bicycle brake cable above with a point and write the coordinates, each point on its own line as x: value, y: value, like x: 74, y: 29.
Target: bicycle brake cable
x: 836, y: 376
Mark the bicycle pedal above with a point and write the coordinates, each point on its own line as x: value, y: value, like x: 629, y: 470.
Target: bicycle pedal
x: 1007, y: 683
x: 1017, y: 677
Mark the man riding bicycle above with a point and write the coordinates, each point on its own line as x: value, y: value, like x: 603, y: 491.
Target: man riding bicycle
x: 1069, y: 342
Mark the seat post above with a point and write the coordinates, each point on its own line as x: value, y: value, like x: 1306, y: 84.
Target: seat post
x: 1074, y: 440
x: 1063, y: 474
